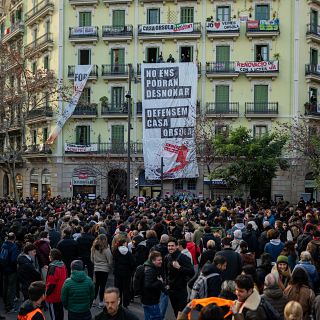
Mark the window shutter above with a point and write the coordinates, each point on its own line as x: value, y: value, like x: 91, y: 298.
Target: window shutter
x: 260, y: 98
x: 222, y: 54
x: 118, y: 18
x: 222, y: 98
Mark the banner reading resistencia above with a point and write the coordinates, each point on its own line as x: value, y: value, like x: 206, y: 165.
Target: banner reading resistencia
x: 169, y: 92
x: 166, y: 28
x: 81, y: 75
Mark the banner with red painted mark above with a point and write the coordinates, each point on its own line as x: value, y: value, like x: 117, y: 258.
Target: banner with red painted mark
x: 169, y: 94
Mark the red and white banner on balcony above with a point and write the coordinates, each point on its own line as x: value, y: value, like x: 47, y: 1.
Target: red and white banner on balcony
x: 81, y: 75
x: 166, y: 28
x: 223, y: 26
x: 169, y: 94
x: 256, y: 66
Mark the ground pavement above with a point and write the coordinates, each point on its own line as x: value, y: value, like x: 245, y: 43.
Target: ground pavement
x: 135, y: 307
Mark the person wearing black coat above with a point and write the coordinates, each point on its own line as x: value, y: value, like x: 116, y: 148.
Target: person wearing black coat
x: 153, y: 285
x: 140, y: 250
x: 124, y: 266
x: 84, y: 243
x: 208, y: 235
x: 208, y: 255
x: 250, y: 237
x: 68, y: 248
x: 27, y: 273
x: 233, y: 258
x: 54, y: 235
x: 152, y: 239
x: 178, y: 270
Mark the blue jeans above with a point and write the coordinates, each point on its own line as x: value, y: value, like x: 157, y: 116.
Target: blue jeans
x: 163, y: 304
x: 152, y: 312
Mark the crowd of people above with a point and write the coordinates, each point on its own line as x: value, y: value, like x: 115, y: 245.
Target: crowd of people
x: 212, y: 259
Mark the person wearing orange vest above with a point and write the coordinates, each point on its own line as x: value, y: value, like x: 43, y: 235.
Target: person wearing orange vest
x: 30, y: 309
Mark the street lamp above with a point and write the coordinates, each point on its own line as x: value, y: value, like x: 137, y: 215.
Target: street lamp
x: 128, y: 97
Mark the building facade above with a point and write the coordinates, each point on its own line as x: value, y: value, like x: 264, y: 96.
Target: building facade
x: 257, y: 66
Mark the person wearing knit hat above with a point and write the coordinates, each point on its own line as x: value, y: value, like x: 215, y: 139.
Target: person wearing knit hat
x: 282, y: 271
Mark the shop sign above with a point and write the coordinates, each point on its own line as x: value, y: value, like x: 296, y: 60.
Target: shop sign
x: 223, y: 26
x: 84, y: 181
x: 309, y: 184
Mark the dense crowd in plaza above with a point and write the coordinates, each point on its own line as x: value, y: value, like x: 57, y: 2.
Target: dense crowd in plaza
x: 213, y: 259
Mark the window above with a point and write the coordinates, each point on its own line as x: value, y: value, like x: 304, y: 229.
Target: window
x: 117, y: 58
x: 221, y: 129
x: 117, y: 138
x: 85, y: 98
x: 222, y: 98
x: 117, y: 97
x: 262, y: 12
x: 35, y: 34
x: 46, y: 63
x: 34, y: 67
x: 152, y: 55
x: 153, y: 16
x: 2, y: 29
x: 47, y: 27
x: 314, y: 18
x: 259, y: 130
x: 19, y: 14
x: 223, y: 13
x: 186, y: 54
x: 84, y: 19
x: 83, y: 135
x: 262, y: 52
x: 178, y: 184
x: 46, y: 99
x: 44, y: 134
x: 34, y: 136
x: 192, y: 184
x: 313, y: 95
x: 84, y: 56
x: 222, y: 53
x: 118, y: 18
x: 260, y: 98
x: 186, y: 15
x: 313, y: 56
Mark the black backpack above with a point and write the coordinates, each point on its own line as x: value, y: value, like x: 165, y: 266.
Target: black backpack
x: 138, y: 281
x: 269, y: 310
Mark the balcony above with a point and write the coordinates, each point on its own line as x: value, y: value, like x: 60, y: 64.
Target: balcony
x: 38, y: 149
x: 169, y: 31
x: 125, y: 2
x: 114, y: 71
x: 261, y: 109
x: 263, y: 29
x: 75, y: 3
x: 39, y: 114
x: 224, y: 70
x: 312, y: 72
x: 40, y: 45
x: 222, y: 109
x: 120, y: 33
x: 223, y: 30
x: 313, y: 33
x: 89, y: 110
x: 83, y: 35
x: 258, y: 69
x: 39, y: 12
x: 114, y: 110
x: 103, y: 148
x: 14, y: 31
x: 312, y: 109
x: 155, y: 1
x: 92, y: 76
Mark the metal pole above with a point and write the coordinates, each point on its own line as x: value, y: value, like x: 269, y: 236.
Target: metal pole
x: 128, y: 96
x: 161, y: 177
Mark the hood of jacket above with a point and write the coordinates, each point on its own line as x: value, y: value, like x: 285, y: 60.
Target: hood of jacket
x: 275, y: 242
x: 57, y: 263
x: 239, y: 226
x: 273, y: 292
x: 123, y: 250
x: 78, y: 276
x: 143, y: 243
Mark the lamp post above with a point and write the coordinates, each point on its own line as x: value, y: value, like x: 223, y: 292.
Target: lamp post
x: 128, y: 97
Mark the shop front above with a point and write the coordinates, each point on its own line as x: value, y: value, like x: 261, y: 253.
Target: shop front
x: 84, y: 183
x: 46, y: 183
x: 34, y: 184
x: 148, y: 188
x: 19, y: 185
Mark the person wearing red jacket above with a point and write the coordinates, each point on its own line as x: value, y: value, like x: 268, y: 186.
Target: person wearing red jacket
x: 57, y: 274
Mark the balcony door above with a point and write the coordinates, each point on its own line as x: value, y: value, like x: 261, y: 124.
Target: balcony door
x: 117, y: 98
x: 260, y: 98
x: 314, y: 20
x: 153, y: 16
x: 152, y: 54
x: 83, y: 135
x: 223, y: 58
x: 117, y: 138
x: 84, y: 56
x: 313, y: 57
x: 262, y: 12
x: 262, y: 52
x: 187, y: 15
x: 118, y: 18
x: 223, y: 13
x: 85, y: 19
x: 117, y: 60
x: 222, y: 99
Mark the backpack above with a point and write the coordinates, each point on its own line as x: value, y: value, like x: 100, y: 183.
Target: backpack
x: 138, y: 281
x: 269, y: 310
x: 295, y: 230
x: 4, y: 256
x: 200, y: 287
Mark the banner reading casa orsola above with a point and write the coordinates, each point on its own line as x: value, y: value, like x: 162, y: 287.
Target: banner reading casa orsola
x: 166, y: 28
x: 256, y: 66
x: 169, y: 92
x: 81, y: 75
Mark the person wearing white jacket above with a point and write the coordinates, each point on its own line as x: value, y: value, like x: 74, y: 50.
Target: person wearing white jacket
x: 101, y: 258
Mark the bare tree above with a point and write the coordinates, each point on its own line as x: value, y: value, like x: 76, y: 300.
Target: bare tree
x: 22, y: 91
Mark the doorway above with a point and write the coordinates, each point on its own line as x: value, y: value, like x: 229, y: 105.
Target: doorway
x: 186, y: 54
x: 152, y: 55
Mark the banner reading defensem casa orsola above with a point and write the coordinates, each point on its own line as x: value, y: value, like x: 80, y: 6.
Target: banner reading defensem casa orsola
x: 169, y: 92
x: 81, y: 75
